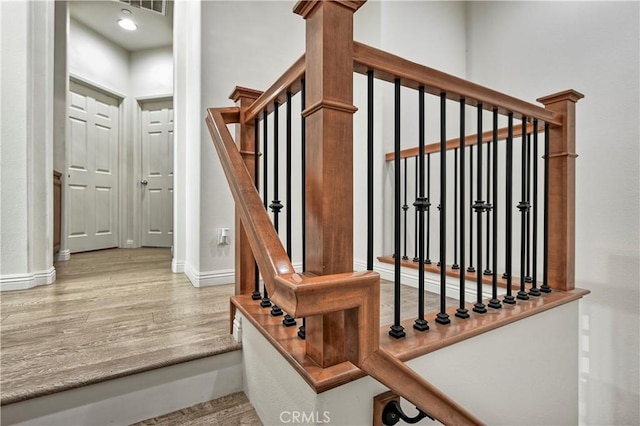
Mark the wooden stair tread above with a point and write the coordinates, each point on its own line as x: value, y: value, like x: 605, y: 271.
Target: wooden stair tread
x: 233, y: 409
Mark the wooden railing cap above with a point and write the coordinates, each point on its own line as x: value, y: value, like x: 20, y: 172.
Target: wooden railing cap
x: 566, y: 95
x: 244, y: 92
x: 304, y: 7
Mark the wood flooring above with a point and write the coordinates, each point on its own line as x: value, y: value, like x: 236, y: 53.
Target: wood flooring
x: 109, y: 314
x: 117, y: 312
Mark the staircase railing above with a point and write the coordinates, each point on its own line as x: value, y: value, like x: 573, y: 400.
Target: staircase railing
x: 341, y: 308
x: 355, y: 294
x: 486, y: 198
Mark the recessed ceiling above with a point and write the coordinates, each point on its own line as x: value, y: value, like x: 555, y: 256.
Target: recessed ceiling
x: 154, y: 29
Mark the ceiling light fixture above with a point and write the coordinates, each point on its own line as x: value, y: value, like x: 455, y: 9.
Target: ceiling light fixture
x: 125, y: 11
x: 127, y: 24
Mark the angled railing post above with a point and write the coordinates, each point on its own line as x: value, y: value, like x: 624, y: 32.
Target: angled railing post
x: 562, y: 190
x: 329, y: 159
x: 245, y: 269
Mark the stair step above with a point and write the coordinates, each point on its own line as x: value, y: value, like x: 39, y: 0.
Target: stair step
x: 233, y: 409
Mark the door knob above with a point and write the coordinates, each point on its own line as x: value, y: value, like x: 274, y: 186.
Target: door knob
x: 144, y: 182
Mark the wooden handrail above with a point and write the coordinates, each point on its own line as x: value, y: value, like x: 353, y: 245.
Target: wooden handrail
x: 270, y: 255
x: 296, y: 294
x: 357, y: 294
x: 390, y: 371
x: 388, y: 67
x: 289, y: 81
x: 470, y: 140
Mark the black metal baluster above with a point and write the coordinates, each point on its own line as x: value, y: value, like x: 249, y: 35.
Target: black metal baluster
x: 276, y: 205
x: 421, y: 204
x: 494, y: 302
x: 428, y: 259
x: 266, y: 302
x: 287, y: 202
x: 288, y: 320
x: 415, y: 216
x: 479, y: 207
x: 534, y: 291
x: 527, y: 278
x: 471, y: 268
x: 370, y: 170
x: 508, y: 212
x: 487, y: 269
x: 303, y: 147
x: 397, y: 330
x: 462, y: 311
x: 256, y: 180
x: 455, y: 265
x: 545, y: 238
x: 405, y: 208
x: 443, y: 317
x: 523, y: 206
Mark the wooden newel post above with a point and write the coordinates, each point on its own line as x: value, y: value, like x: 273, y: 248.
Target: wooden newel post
x: 245, y: 139
x: 562, y: 190
x: 329, y: 159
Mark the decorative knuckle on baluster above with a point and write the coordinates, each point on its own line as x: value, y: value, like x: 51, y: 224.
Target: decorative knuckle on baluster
x: 421, y: 204
x: 276, y: 206
x: 480, y: 206
x: 523, y: 206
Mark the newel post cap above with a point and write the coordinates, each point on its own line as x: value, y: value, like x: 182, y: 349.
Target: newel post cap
x: 243, y: 92
x: 566, y: 95
x: 304, y: 7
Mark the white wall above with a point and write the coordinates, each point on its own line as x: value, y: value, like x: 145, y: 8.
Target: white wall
x: 436, y: 39
x: 97, y: 59
x: 186, y: 217
x: 151, y: 72
x: 14, y: 135
x: 241, y: 46
x: 592, y: 47
x: 504, y: 377
x: 26, y: 248
x: 379, y: 24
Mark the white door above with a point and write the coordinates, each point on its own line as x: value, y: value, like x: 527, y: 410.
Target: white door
x: 92, y: 147
x: 156, y: 183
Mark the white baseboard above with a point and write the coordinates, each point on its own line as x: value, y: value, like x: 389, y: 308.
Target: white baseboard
x: 24, y: 281
x: 62, y: 256
x: 409, y: 276
x: 209, y: 278
x: 177, y: 266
